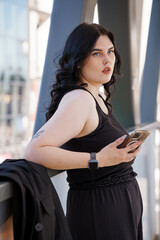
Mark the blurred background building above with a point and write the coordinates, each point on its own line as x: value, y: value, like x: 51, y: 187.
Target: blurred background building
x: 24, y: 27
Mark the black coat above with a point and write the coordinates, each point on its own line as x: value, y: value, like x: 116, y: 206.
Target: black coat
x: 37, y: 211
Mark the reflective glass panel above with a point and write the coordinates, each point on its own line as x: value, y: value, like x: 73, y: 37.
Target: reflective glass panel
x: 0, y: 99
x: 20, y: 99
x: 22, y: 68
x: 2, y: 58
x: 10, y: 18
x: 22, y: 23
x: 22, y: 2
x: 2, y: 18
x: 11, y: 59
x: 22, y: 65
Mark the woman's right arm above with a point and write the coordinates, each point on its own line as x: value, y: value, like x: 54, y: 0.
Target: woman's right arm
x: 68, y: 122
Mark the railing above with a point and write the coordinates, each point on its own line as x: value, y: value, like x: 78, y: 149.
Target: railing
x: 147, y: 165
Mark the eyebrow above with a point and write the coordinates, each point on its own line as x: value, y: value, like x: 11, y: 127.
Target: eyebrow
x: 100, y: 50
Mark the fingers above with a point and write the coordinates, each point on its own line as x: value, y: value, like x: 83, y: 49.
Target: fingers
x: 130, y: 152
x: 118, y: 141
x: 132, y: 147
x: 116, y: 155
x: 132, y: 155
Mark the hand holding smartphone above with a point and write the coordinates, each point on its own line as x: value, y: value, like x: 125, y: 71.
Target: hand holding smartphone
x: 137, y: 135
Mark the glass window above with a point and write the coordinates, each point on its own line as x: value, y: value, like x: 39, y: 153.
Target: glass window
x: 22, y: 68
x: 22, y: 2
x: 22, y: 23
x: 2, y: 58
x: 0, y: 99
x: 22, y: 62
x: 10, y: 18
x: 13, y: 71
x: 8, y: 102
x: 11, y: 59
x: 2, y: 21
x: 21, y: 100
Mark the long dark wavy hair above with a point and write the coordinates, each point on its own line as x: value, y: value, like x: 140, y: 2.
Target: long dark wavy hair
x: 77, y: 48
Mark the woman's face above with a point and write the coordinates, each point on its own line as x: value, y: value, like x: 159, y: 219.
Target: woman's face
x: 98, y: 67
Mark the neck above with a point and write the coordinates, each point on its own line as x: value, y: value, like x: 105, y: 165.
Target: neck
x: 94, y: 89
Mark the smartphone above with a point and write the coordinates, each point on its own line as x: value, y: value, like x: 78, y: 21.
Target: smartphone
x: 137, y: 135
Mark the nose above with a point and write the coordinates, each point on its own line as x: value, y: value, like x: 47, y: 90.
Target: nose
x: 105, y: 59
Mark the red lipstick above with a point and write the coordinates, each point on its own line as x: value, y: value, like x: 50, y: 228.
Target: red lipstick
x: 106, y: 70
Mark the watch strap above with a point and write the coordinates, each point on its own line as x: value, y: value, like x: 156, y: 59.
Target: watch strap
x: 93, y: 156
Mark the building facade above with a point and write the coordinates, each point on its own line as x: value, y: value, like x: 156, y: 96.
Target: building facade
x: 22, y: 27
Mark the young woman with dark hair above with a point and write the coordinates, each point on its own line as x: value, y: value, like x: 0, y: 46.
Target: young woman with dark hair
x: 82, y: 136
x: 78, y: 47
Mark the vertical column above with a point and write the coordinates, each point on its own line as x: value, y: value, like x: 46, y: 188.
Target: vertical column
x: 148, y: 105
x: 114, y: 15
x: 65, y: 17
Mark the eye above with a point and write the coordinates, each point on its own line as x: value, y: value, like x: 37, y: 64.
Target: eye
x: 111, y: 51
x: 96, y: 54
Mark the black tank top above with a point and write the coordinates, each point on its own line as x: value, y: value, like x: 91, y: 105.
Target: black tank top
x: 107, y: 131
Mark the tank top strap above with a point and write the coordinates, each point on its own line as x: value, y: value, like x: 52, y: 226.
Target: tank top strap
x: 88, y: 92
x: 83, y: 88
x: 100, y: 112
x: 97, y: 104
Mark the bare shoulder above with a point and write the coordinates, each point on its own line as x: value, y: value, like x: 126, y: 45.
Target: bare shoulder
x: 78, y: 97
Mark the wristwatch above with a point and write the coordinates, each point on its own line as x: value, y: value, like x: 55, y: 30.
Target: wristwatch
x: 93, y: 163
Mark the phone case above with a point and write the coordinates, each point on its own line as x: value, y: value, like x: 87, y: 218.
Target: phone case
x: 138, y: 135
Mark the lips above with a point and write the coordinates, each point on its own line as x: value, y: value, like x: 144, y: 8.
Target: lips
x: 106, y: 70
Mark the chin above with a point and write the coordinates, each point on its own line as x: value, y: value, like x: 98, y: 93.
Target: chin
x: 106, y: 81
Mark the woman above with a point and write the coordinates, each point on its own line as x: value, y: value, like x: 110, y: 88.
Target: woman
x: 82, y: 136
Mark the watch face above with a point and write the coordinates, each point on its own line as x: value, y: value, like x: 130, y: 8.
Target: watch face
x: 93, y: 165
